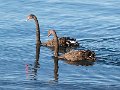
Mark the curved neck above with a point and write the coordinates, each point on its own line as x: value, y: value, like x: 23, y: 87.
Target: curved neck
x: 56, y: 47
x: 37, y: 52
x: 37, y: 31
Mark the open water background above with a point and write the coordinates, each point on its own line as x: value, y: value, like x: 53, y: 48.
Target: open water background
x: 94, y: 23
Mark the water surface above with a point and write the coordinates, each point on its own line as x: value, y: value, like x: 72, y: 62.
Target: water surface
x: 95, y: 24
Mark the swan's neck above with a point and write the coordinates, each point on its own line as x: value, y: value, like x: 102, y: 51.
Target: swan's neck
x: 37, y: 52
x: 37, y: 31
x: 37, y: 56
x: 56, y: 45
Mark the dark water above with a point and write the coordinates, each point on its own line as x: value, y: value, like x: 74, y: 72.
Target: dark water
x: 94, y: 23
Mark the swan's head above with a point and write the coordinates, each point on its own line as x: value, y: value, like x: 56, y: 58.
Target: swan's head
x: 31, y: 16
x: 51, y: 32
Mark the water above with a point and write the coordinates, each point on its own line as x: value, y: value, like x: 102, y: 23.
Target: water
x: 94, y: 23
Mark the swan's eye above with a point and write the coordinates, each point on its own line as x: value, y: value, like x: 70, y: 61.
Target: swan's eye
x: 30, y: 17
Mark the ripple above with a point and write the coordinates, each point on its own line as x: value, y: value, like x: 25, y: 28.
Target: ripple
x: 95, y: 24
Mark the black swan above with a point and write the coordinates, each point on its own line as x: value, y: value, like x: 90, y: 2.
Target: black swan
x: 74, y: 55
x: 32, y: 16
x: 63, y: 42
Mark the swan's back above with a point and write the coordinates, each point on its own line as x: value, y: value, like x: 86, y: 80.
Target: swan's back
x: 68, y: 42
x: 63, y: 42
x: 78, y: 55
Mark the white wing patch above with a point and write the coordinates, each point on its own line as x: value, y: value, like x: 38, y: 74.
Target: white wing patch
x: 72, y: 41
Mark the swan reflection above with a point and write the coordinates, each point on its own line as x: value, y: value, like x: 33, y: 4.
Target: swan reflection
x: 56, y: 67
x: 78, y: 63
x: 31, y: 69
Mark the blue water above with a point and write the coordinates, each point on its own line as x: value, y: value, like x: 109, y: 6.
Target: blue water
x: 94, y: 23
